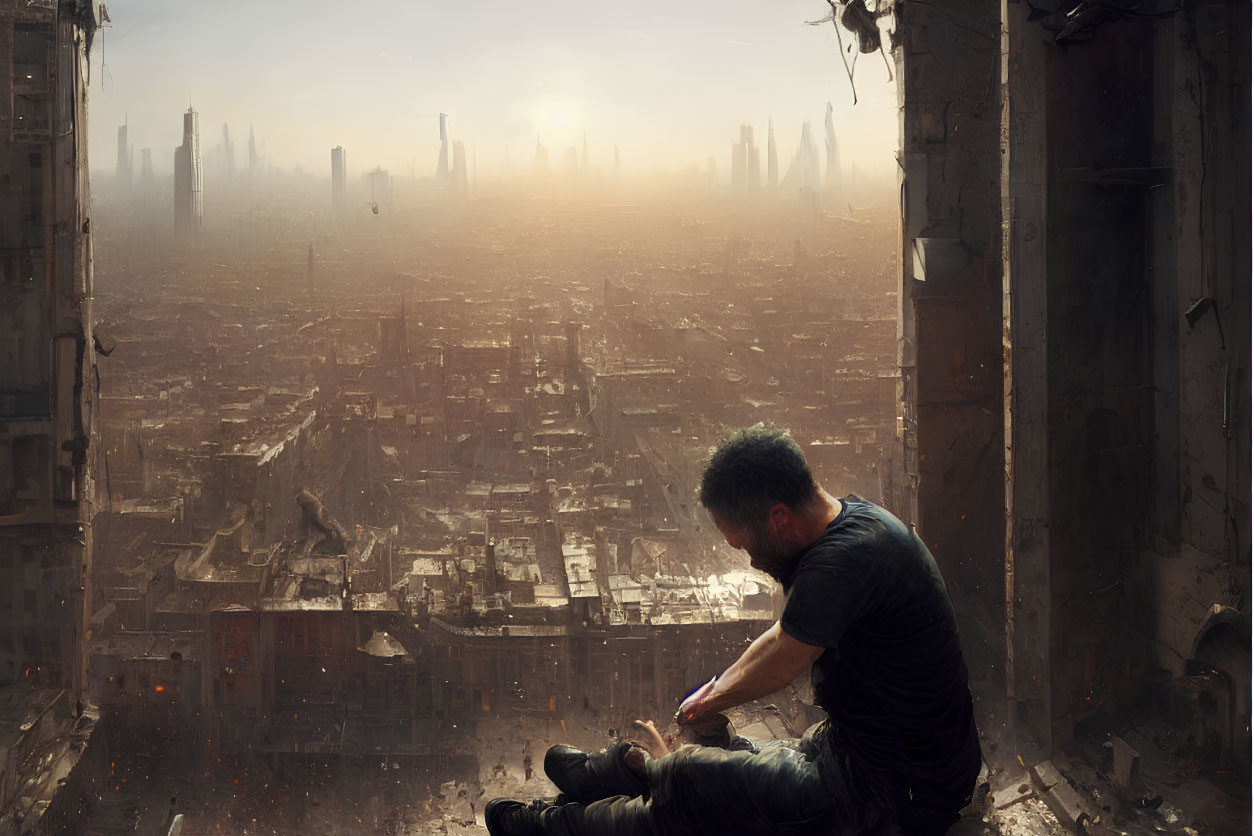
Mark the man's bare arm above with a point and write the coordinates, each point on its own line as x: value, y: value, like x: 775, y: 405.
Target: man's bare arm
x: 771, y: 662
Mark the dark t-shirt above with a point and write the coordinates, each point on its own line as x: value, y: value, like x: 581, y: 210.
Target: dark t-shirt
x: 892, y: 679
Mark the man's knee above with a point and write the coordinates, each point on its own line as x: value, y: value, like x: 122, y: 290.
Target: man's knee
x: 589, y: 777
x: 559, y: 760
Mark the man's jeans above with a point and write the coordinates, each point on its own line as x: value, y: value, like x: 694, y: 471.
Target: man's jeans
x: 794, y: 790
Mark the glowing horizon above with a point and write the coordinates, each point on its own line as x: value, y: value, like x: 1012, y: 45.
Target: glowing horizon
x: 669, y: 86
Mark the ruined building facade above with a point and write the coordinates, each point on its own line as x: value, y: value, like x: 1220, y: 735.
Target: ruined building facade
x: 1075, y: 336
x: 46, y: 355
x: 47, y: 381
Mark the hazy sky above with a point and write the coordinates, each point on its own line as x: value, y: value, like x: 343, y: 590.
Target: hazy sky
x: 669, y: 82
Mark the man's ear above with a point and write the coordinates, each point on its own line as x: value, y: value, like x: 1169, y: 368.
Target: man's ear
x: 780, y: 517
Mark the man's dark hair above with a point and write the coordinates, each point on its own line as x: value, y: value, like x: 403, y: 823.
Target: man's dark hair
x: 751, y: 470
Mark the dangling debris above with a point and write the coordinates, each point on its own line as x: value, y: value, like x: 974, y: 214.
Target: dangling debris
x: 860, y: 20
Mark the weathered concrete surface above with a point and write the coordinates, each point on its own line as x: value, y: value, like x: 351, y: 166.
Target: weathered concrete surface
x: 1125, y: 182
x: 1025, y: 325
x: 951, y: 316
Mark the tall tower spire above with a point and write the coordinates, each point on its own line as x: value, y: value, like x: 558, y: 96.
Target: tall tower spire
x: 189, y: 206
x: 441, y: 168
x: 833, y: 153
x: 772, y: 156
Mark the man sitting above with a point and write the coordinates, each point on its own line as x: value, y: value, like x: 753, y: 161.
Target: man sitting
x: 868, y: 614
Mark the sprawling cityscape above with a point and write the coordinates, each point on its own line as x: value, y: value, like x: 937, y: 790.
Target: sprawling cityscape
x: 331, y: 499
x: 427, y: 471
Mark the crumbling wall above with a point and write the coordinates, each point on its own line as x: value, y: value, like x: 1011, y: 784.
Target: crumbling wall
x: 1101, y: 184
x: 948, y: 66
x: 1146, y: 266
x: 46, y: 348
x: 1199, y: 554
x: 1125, y: 208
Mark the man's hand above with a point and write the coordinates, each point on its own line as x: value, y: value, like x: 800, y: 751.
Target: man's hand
x: 653, y: 741
x: 690, y: 709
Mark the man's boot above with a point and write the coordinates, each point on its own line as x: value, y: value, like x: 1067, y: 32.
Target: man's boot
x: 507, y: 817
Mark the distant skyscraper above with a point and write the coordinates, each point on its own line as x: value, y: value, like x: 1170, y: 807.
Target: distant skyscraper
x: 339, y: 178
x: 124, y: 158
x: 458, y: 184
x: 833, y: 152
x: 379, y: 185
x: 189, y: 203
x: 746, y: 173
x: 804, y: 171
x: 441, y: 168
x: 226, y: 154
x: 772, y: 158
x: 252, y: 151
x: 542, y: 157
x: 583, y: 163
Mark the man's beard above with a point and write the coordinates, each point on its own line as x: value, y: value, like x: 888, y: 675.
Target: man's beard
x: 777, y: 558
